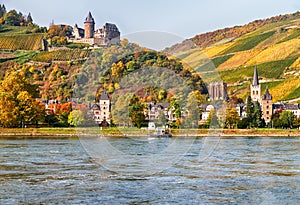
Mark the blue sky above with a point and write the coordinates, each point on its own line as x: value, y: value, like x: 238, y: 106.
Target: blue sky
x: 184, y: 18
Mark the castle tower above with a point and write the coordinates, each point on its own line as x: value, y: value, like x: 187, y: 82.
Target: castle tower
x: 266, y: 104
x: 89, y: 26
x: 255, y: 88
x: 104, y: 107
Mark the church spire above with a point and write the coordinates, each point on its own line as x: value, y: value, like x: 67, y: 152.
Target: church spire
x: 255, y: 77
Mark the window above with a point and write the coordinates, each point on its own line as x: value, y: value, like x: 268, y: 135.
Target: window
x: 256, y: 92
x: 268, y: 118
x: 104, y: 108
x: 267, y: 107
x: 253, y: 92
x: 267, y: 112
x: 104, y: 113
x: 104, y: 102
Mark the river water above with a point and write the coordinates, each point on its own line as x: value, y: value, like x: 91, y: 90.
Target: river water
x: 238, y: 171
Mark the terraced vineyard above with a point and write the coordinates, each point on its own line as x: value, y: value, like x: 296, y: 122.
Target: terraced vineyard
x: 62, y: 55
x: 21, y: 42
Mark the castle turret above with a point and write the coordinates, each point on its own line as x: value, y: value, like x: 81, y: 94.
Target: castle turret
x: 255, y: 87
x: 89, y: 26
x: 266, y: 104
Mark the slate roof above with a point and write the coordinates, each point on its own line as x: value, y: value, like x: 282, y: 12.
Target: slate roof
x: 292, y: 106
x: 267, y: 95
x: 104, y: 95
x: 255, y: 77
x: 89, y: 18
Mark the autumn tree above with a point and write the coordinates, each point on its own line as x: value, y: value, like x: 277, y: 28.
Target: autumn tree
x: 17, y: 104
x: 9, y: 111
x: 232, y: 118
x: 136, y: 111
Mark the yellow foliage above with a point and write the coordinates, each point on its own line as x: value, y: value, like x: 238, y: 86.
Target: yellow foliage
x: 276, y: 52
x: 284, y: 89
x: 238, y: 59
x: 31, y: 69
x: 296, y: 65
x: 214, y: 51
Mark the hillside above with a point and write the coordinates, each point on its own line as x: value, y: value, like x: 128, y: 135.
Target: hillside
x: 273, y: 45
x: 20, y: 38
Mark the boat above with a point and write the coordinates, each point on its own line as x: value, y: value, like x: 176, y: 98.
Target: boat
x: 161, y: 134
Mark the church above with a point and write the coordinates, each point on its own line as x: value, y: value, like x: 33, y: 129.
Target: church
x: 266, y: 99
x: 109, y: 34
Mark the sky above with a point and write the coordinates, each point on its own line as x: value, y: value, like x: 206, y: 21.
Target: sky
x: 181, y: 18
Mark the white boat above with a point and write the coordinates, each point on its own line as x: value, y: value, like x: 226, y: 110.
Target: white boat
x: 161, y: 133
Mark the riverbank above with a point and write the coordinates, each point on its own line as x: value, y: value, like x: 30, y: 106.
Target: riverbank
x: 74, y: 133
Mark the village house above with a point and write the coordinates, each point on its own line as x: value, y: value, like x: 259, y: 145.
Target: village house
x: 101, y: 111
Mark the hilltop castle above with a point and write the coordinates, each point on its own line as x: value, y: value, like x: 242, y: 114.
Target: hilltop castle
x: 107, y: 35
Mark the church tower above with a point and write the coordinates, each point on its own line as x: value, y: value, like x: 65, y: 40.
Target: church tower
x: 89, y: 26
x: 104, y: 103
x: 266, y: 104
x: 255, y: 88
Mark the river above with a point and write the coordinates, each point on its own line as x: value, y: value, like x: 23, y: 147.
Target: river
x: 238, y: 171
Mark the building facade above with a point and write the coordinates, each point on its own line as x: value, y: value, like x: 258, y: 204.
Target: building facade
x: 101, y: 111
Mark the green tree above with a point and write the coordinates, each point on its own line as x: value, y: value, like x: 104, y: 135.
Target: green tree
x: 174, y: 106
x: 193, y: 111
x: 249, y: 111
x: 76, y: 118
x: 136, y: 111
x: 120, y: 110
x: 13, y: 18
x: 162, y: 120
x: 287, y: 119
x: 212, y: 120
x: 29, y: 19
x: 257, y: 119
